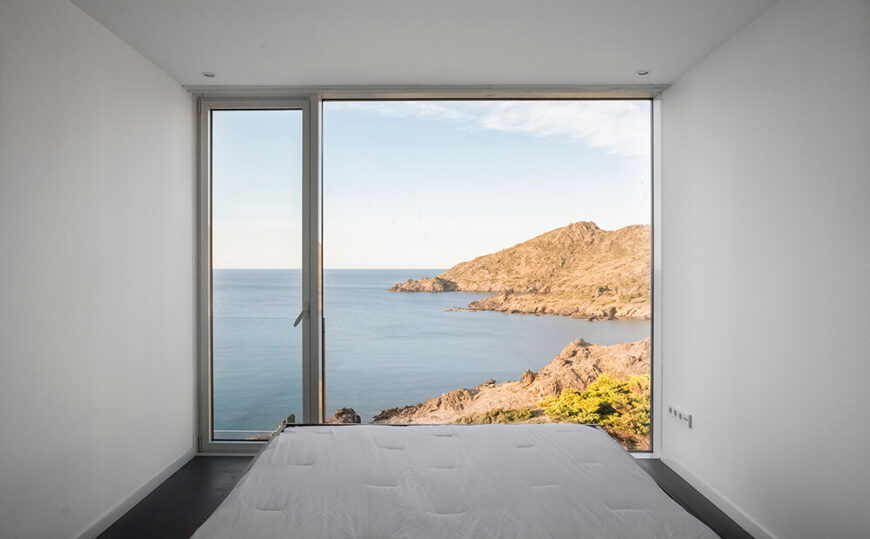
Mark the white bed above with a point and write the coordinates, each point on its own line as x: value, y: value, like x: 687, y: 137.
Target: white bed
x: 474, y: 481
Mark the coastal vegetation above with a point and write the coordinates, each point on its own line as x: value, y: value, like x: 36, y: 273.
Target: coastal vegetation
x: 497, y: 415
x: 621, y: 406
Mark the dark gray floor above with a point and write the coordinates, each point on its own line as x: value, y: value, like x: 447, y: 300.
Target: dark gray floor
x: 692, y: 500
x: 183, y: 502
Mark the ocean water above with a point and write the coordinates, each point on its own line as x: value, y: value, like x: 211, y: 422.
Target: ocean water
x: 383, y: 349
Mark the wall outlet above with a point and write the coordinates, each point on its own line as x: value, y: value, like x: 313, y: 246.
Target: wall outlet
x: 684, y: 417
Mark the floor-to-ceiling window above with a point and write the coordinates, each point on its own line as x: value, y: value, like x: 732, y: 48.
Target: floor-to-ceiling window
x: 483, y: 261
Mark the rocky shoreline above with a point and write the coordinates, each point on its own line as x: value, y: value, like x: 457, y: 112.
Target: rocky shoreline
x: 574, y: 308
x: 577, y: 365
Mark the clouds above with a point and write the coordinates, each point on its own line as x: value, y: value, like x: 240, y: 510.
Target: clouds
x: 405, y: 109
x: 617, y: 127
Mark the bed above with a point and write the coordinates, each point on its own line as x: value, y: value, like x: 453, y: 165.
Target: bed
x: 470, y: 481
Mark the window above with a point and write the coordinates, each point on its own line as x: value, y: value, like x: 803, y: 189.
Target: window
x: 255, y: 284
x: 256, y: 270
x: 481, y: 261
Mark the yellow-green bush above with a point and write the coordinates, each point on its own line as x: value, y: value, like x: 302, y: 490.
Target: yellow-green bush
x: 620, y: 405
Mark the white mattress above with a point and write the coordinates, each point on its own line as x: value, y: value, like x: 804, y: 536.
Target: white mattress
x: 474, y: 481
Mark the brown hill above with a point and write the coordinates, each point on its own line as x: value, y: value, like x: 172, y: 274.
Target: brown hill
x: 578, y: 270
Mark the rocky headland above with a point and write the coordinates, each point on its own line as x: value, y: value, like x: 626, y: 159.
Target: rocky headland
x: 579, y: 270
x: 577, y: 365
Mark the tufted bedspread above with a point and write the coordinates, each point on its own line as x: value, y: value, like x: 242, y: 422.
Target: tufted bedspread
x: 470, y: 481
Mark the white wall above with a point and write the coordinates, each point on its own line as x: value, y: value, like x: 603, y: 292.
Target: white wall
x: 766, y: 299
x: 96, y: 271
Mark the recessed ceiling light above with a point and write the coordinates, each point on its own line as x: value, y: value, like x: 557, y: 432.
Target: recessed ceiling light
x: 208, y: 74
x: 642, y: 72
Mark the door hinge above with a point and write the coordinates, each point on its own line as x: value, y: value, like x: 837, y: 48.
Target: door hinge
x: 199, y: 105
x: 199, y: 442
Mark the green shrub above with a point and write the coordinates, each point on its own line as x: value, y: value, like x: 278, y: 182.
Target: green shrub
x: 622, y: 406
x: 497, y: 415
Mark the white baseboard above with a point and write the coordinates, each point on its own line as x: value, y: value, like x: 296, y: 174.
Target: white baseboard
x: 109, y: 517
x: 737, y: 515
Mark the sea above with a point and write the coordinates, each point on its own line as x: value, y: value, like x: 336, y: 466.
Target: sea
x: 382, y: 349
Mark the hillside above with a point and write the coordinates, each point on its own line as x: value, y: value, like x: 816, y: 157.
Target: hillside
x: 578, y: 270
x: 577, y: 365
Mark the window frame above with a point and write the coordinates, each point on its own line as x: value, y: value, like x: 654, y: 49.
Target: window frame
x: 309, y: 100
x: 311, y: 305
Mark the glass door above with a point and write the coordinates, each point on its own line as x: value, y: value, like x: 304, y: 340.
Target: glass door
x: 257, y: 296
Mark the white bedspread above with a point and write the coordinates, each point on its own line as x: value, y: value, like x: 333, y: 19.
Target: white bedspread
x: 480, y: 481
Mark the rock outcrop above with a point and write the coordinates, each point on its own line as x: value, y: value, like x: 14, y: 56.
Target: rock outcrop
x: 344, y: 415
x: 426, y: 284
x: 578, y: 270
x: 576, y: 366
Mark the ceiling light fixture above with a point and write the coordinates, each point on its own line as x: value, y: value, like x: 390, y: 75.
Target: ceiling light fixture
x: 208, y: 74
x: 643, y: 72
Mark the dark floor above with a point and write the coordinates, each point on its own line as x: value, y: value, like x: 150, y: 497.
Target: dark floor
x: 183, y: 502
x: 692, y: 500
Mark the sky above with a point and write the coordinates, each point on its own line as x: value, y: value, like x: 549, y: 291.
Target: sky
x: 426, y: 184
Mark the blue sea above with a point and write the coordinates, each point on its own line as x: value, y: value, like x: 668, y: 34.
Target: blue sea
x: 383, y: 349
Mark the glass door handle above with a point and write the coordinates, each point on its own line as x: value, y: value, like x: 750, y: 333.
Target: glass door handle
x: 301, y: 315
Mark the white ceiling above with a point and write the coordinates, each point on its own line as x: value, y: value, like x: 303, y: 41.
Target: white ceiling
x: 385, y: 42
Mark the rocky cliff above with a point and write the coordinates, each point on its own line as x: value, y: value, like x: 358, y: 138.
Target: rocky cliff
x: 578, y: 270
x: 577, y: 365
